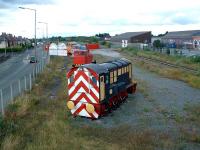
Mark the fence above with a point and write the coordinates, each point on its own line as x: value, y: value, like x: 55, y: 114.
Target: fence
x: 20, y: 85
x: 169, y: 51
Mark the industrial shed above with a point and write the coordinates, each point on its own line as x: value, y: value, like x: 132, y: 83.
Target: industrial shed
x: 182, y: 39
x: 133, y: 37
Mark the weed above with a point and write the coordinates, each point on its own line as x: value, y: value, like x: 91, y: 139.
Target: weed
x: 193, y: 112
x: 146, y: 109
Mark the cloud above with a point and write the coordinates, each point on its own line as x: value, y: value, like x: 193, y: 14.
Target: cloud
x: 25, y: 2
x: 3, y: 5
x: 9, y: 4
x: 183, y: 20
x: 184, y: 17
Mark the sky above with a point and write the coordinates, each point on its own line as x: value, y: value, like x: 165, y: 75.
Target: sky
x: 90, y: 17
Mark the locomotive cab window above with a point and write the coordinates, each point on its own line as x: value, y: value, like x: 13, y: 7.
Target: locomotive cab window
x: 130, y: 71
x: 115, y: 76
x: 111, y: 77
x: 119, y: 71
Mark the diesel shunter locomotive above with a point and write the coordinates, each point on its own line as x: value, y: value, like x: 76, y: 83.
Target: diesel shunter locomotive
x: 94, y: 89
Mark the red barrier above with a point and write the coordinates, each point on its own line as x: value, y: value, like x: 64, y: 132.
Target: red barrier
x: 92, y: 46
x: 46, y: 47
x: 82, y: 57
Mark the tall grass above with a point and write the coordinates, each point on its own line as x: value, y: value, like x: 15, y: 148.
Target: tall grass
x: 192, y: 62
x: 173, y: 73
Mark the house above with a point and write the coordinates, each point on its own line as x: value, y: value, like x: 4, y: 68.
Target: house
x: 182, y: 39
x: 9, y: 40
x: 133, y: 37
x: 3, y: 42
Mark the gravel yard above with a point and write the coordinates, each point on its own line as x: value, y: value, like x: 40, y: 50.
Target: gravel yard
x: 159, y: 104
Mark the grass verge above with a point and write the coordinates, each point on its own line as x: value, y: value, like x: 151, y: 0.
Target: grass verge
x: 173, y: 73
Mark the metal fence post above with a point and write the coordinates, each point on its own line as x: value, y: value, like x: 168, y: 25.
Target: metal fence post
x: 25, y: 82
x: 19, y: 84
x: 2, y: 107
x: 11, y: 92
x: 35, y: 70
x: 30, y: 81
x: 39, y: 67
x: 33, y: 74
x: 42, y: 64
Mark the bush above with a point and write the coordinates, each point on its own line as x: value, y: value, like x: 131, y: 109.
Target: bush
x: 18, y: 48
x: 108, y: 44
x: 11, y: 49
x: 105, y: 43
x: 7, y: 126
x: 195, y: 59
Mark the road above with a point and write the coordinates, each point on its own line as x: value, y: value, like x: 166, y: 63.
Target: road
x: 15, y: 74
x: 17, y: 67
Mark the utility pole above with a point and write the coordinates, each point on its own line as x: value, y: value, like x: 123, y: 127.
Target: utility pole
x: 35, y: 12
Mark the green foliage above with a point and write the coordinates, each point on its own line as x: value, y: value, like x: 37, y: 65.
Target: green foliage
x: 7, y: 126
x: 195, y: 59
x: 93, y: 39
x: 158, y: 44
x: 15, y: 49
x: 105, y: 43
x: 83, y: 39
x: 102, y: 35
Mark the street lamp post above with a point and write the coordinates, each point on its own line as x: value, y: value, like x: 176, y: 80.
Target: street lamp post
x: 34, y: 27
x: 5, y: 46
x: 46, y: 29
x: 46, y: 44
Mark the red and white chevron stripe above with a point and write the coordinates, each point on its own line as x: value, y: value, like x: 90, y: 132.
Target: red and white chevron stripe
x: 83, y: 91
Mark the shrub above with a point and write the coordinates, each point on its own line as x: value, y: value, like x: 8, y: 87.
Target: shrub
x: 195, y: 59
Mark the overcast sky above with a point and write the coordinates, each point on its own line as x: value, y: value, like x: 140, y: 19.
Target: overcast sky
x: 88, y: 17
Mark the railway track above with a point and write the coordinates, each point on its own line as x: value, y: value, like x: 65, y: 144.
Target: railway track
x: 184, y: 68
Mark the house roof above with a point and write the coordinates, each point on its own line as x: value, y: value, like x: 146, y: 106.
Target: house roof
x: 128, y: 35
x: 182, y: 34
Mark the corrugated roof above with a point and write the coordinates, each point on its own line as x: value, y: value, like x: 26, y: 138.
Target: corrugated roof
x: 128, y: 35
x: 182, y: 34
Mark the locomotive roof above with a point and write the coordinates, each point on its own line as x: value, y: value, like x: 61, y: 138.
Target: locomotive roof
x: 107, y: 66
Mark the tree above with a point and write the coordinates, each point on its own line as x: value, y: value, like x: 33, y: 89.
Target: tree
x: 158, y: 44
